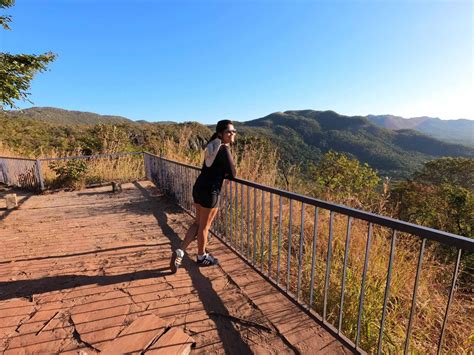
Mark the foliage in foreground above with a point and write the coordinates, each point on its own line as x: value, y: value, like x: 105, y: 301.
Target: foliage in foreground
x: 17, y: 70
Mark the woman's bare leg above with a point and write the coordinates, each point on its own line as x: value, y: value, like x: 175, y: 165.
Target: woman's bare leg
x: 193, y: 229
x: 206, y: 217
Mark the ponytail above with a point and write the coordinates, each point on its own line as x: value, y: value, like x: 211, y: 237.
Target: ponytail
x: 220, y: 127
x: 214, y: 136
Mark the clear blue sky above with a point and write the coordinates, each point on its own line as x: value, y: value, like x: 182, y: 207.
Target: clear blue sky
x: 207, y: 60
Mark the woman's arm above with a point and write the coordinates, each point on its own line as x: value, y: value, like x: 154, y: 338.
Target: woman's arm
x: 230, y: 166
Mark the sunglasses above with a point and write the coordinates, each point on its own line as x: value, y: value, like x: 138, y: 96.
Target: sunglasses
x: 231, y: 131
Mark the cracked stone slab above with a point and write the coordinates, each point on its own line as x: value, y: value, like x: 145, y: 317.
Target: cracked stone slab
x: 174, y: 341
x: 137, y: 336
x: 12, y: 312
x: 101, y: 318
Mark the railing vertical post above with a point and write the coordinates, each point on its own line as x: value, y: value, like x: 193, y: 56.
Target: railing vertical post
x: 313, y: 256
x: 288, y: 261
x: 451, y: 293
x: 242, y: 219
x: 328, y: 264
x: 362, y: 287
x: 248, y: 222
x: 254, y: 225
x: 270, y: 241
x: 300, y: 253
x: 39, y: 174
x: 387, y: 290
x: 279, y: 240
x: 413, y: 298
x: 262, y: 239
x: 231, y: 212
x: 344, y: 270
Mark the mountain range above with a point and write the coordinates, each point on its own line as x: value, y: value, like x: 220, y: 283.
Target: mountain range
x: 66, y: 117
x: 387, y: 144
x: 454, y: 131
x: 304, y: 135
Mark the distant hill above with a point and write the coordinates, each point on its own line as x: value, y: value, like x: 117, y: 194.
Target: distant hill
x: 306, y: 134
x: 65, y: 117
x: 454, y: 131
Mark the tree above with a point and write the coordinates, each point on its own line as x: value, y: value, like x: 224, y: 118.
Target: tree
x: 17, y: 70
x: 454, y: 171
x: 441, y: 196
x: 344, y: 180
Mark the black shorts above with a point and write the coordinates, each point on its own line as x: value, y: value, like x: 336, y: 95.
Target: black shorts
x: 206, y: 198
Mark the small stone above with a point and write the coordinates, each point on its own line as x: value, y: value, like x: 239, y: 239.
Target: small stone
x: 12, y: 201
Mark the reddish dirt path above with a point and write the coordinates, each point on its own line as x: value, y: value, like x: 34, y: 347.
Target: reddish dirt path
x: 78, y: 269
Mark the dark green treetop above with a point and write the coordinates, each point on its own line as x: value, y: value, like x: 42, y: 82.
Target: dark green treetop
x: 17, y: 70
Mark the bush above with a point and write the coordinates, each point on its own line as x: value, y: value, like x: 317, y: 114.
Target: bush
x: 70, y: 173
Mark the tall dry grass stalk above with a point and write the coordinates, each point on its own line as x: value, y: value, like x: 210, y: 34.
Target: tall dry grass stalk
x: 6, y: 151
x: 179, y: 149
x: 97, y: 170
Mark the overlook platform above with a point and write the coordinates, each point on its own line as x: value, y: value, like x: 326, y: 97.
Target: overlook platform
x: 88, y: 271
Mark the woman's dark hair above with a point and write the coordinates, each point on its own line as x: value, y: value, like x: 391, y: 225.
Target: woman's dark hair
x: 220, y: 128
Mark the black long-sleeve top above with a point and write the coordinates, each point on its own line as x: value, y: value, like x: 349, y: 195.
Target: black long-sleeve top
x: 212, y: 178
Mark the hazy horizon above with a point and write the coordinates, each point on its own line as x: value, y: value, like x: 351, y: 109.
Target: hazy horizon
x: 245, y: 120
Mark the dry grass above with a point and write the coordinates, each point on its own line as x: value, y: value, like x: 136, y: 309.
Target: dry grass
x: 98, y: 170
x: 5, y: 151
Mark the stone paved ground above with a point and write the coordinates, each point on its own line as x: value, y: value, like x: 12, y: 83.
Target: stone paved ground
x: 80, y: 269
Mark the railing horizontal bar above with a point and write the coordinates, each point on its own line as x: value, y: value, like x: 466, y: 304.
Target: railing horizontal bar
x: 176, y: 162
x: 93, y: 156
x: 17, y: 158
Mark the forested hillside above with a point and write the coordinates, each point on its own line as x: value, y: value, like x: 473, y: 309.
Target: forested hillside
x: 65, y: 117
x: 304, y: 135
x: 300, y: 137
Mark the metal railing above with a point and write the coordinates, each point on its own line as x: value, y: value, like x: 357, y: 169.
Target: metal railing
x: 20, y: 172
x: 39, y: 174
x: 285, y: 250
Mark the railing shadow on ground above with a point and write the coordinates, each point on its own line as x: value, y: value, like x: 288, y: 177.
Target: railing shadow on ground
x: 28, y: 288
x: 78, y: 254
x: 230, y: 337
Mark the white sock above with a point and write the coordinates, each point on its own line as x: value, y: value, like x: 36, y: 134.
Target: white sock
x: 179, y: 253
x: 201, y: 257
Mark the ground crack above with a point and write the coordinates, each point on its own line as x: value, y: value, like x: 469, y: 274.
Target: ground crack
x: 77, y: 336
x: 26, y: 319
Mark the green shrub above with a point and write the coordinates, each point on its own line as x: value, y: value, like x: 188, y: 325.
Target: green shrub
x: 70, y: 173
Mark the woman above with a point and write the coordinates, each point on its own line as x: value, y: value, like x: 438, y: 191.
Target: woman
x: 218, y: 164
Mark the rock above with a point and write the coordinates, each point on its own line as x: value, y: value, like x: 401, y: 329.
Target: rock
x: 12, y: 201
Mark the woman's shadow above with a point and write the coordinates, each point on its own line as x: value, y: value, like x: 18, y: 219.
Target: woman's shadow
x: 230, y: 337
